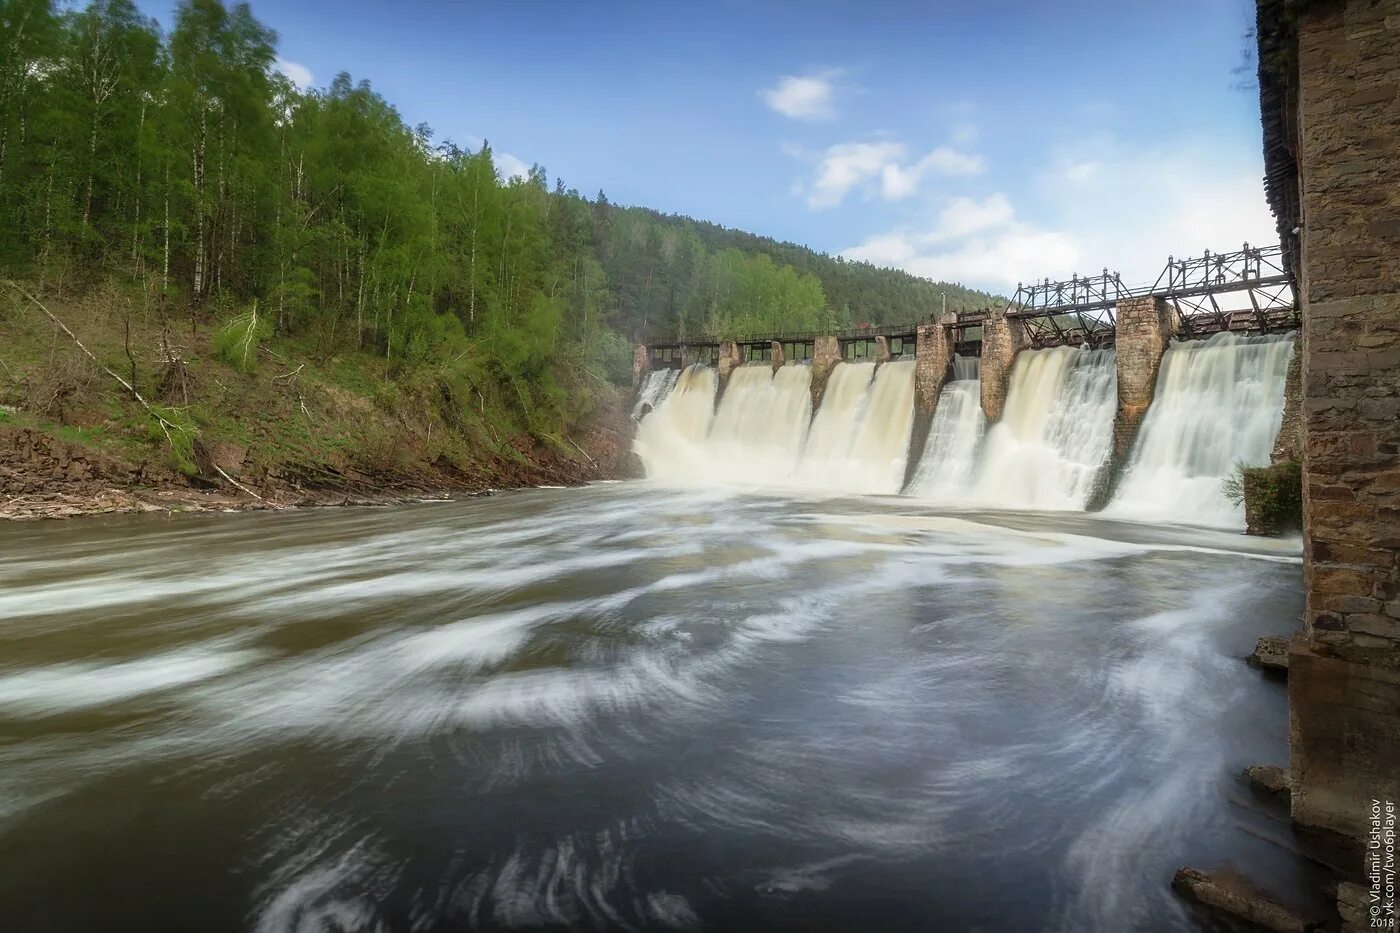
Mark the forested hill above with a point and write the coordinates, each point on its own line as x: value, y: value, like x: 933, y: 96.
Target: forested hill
x: 854, y: 292
x: 175, y: 175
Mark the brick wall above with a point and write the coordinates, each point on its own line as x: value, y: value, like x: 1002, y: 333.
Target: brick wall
x: 1343, y: 695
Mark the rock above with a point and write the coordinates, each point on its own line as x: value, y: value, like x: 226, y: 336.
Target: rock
x: 1270, y: 653
x: 1270, y: 780
x: 1236, y: 899
x: 1352, y: 906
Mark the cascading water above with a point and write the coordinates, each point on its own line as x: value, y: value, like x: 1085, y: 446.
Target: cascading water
x: 757, y: 433
x: 859, y: 440
x: 945, y: 469
x: 671, y: 440
x: 1218, y: 403
x: 1055, y: 435
x: 658, y: 385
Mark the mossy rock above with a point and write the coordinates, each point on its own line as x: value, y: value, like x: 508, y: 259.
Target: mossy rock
x: 1273, y: 498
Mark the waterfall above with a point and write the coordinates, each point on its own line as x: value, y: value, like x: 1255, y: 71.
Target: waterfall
x: 658, y: 385
x: 757, y: 433
x: 1218, y: 402
x: 1055, y: 434
x: 859, y: 441
x: 670, y: 441
x: 945, y: 469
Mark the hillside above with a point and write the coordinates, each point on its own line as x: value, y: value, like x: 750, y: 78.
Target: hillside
x: 301, y: 278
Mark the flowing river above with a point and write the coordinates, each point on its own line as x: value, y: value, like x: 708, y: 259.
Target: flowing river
x: 632, y: 707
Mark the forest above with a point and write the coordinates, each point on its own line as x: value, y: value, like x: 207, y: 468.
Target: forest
x: 178, y: 173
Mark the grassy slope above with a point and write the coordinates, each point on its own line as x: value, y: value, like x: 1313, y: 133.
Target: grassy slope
x: 296, y: 417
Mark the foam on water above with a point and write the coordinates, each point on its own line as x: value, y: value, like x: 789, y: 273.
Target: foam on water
x: 1218, y: 403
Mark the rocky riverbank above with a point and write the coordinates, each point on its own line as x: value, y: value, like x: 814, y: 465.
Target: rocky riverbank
x: 45, y: 477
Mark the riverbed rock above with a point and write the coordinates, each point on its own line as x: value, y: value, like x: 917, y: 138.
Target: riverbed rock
x: 1270, y: 653
x: 1270, y: 780
x: 1352, y: 904
x: 1234, y: 898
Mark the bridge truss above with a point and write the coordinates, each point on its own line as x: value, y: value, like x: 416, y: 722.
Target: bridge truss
x: 1207, y: 293
x: 1247, y: 291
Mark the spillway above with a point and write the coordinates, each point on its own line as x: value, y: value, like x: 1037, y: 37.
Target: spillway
x: 1053, y: 441
x: 946, y: 466
x: 758, y: 431
x: 671, y: 440
x: 658, y: 385
x: 859, y: 440
x: 1218, y: 403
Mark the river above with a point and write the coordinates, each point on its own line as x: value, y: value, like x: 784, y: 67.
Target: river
x: 628, y: 707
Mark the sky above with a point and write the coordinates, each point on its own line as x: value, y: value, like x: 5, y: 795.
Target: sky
x: 986, y: 143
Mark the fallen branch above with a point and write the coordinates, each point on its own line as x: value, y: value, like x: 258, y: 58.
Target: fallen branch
x: 580, y: 449
x: 289, y: 375
x: 235, y: 482
x: 166, y: 425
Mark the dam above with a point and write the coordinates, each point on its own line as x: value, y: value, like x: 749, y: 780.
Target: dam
x: 1079, y: 396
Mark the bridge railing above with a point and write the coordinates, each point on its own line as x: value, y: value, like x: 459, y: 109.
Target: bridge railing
x: 1080, y: 309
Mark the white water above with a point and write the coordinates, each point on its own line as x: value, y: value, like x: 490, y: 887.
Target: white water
x: 757, y: 433
x: 1055, y: 435
x: 671, y: 440
x: 859, y: 440
x: 1218, y: 402
x: 950, y: 453
x: 658, y: 385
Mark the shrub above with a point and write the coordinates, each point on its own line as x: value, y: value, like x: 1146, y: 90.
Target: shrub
x: 1273, y: 498
x: 236, y: 342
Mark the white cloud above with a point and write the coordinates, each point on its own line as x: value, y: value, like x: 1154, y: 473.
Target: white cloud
x: 808, y: 97
x: 1104, y: 205
x: 298, y: 74
x: 509, y: 166
x: 882, y: 167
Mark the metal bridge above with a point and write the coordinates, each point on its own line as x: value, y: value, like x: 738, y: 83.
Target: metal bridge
x: 1250, y: 290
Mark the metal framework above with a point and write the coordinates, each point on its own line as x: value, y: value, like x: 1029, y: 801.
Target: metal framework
x: 1079, y: 310
x: 1194, y: 288
x: 1075, y: 311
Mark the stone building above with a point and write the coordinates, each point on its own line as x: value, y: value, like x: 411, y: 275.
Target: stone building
x: 1330, y: 103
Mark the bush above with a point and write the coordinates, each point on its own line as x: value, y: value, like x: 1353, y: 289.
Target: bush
x: 1273, y: 498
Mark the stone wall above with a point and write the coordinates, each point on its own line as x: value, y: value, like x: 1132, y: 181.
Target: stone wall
x: 641, y: 363
x: 1344, y: 681
x: 1002, y: 339
x: 1144, y: 328
x: 826, y: 353
x: 776, y: 349
x: 1288, y: 443
x: 933, y: 351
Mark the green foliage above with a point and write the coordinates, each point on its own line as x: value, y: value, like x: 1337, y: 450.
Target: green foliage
x: 181, y: 163
x: 236, y: 341
x: 1273, y: 497
x: 175, y: 427
x: 1233, y: 484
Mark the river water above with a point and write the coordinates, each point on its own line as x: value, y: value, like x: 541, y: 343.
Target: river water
x: 627, y: 707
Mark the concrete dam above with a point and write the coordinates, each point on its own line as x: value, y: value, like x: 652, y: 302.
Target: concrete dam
x: 1144, y: 423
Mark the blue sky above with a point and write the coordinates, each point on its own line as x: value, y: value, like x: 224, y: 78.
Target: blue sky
x: 981, y: 142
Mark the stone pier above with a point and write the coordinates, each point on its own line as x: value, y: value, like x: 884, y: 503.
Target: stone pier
x: 776, y: 349
x: 826, y: 353
x: 1145, y: 326
x: 1331, y: 119
x: 1002, y: 338
x: 641, y: 364
x: 731, y: 357
x: 933, y: 344
x: 882, y: 350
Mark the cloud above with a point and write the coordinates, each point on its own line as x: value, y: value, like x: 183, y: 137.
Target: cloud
x: 882, y: 167
x: 809, y: 97
x: 1103, y: 205
x: 509, y: 166
x: 298, y: 74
